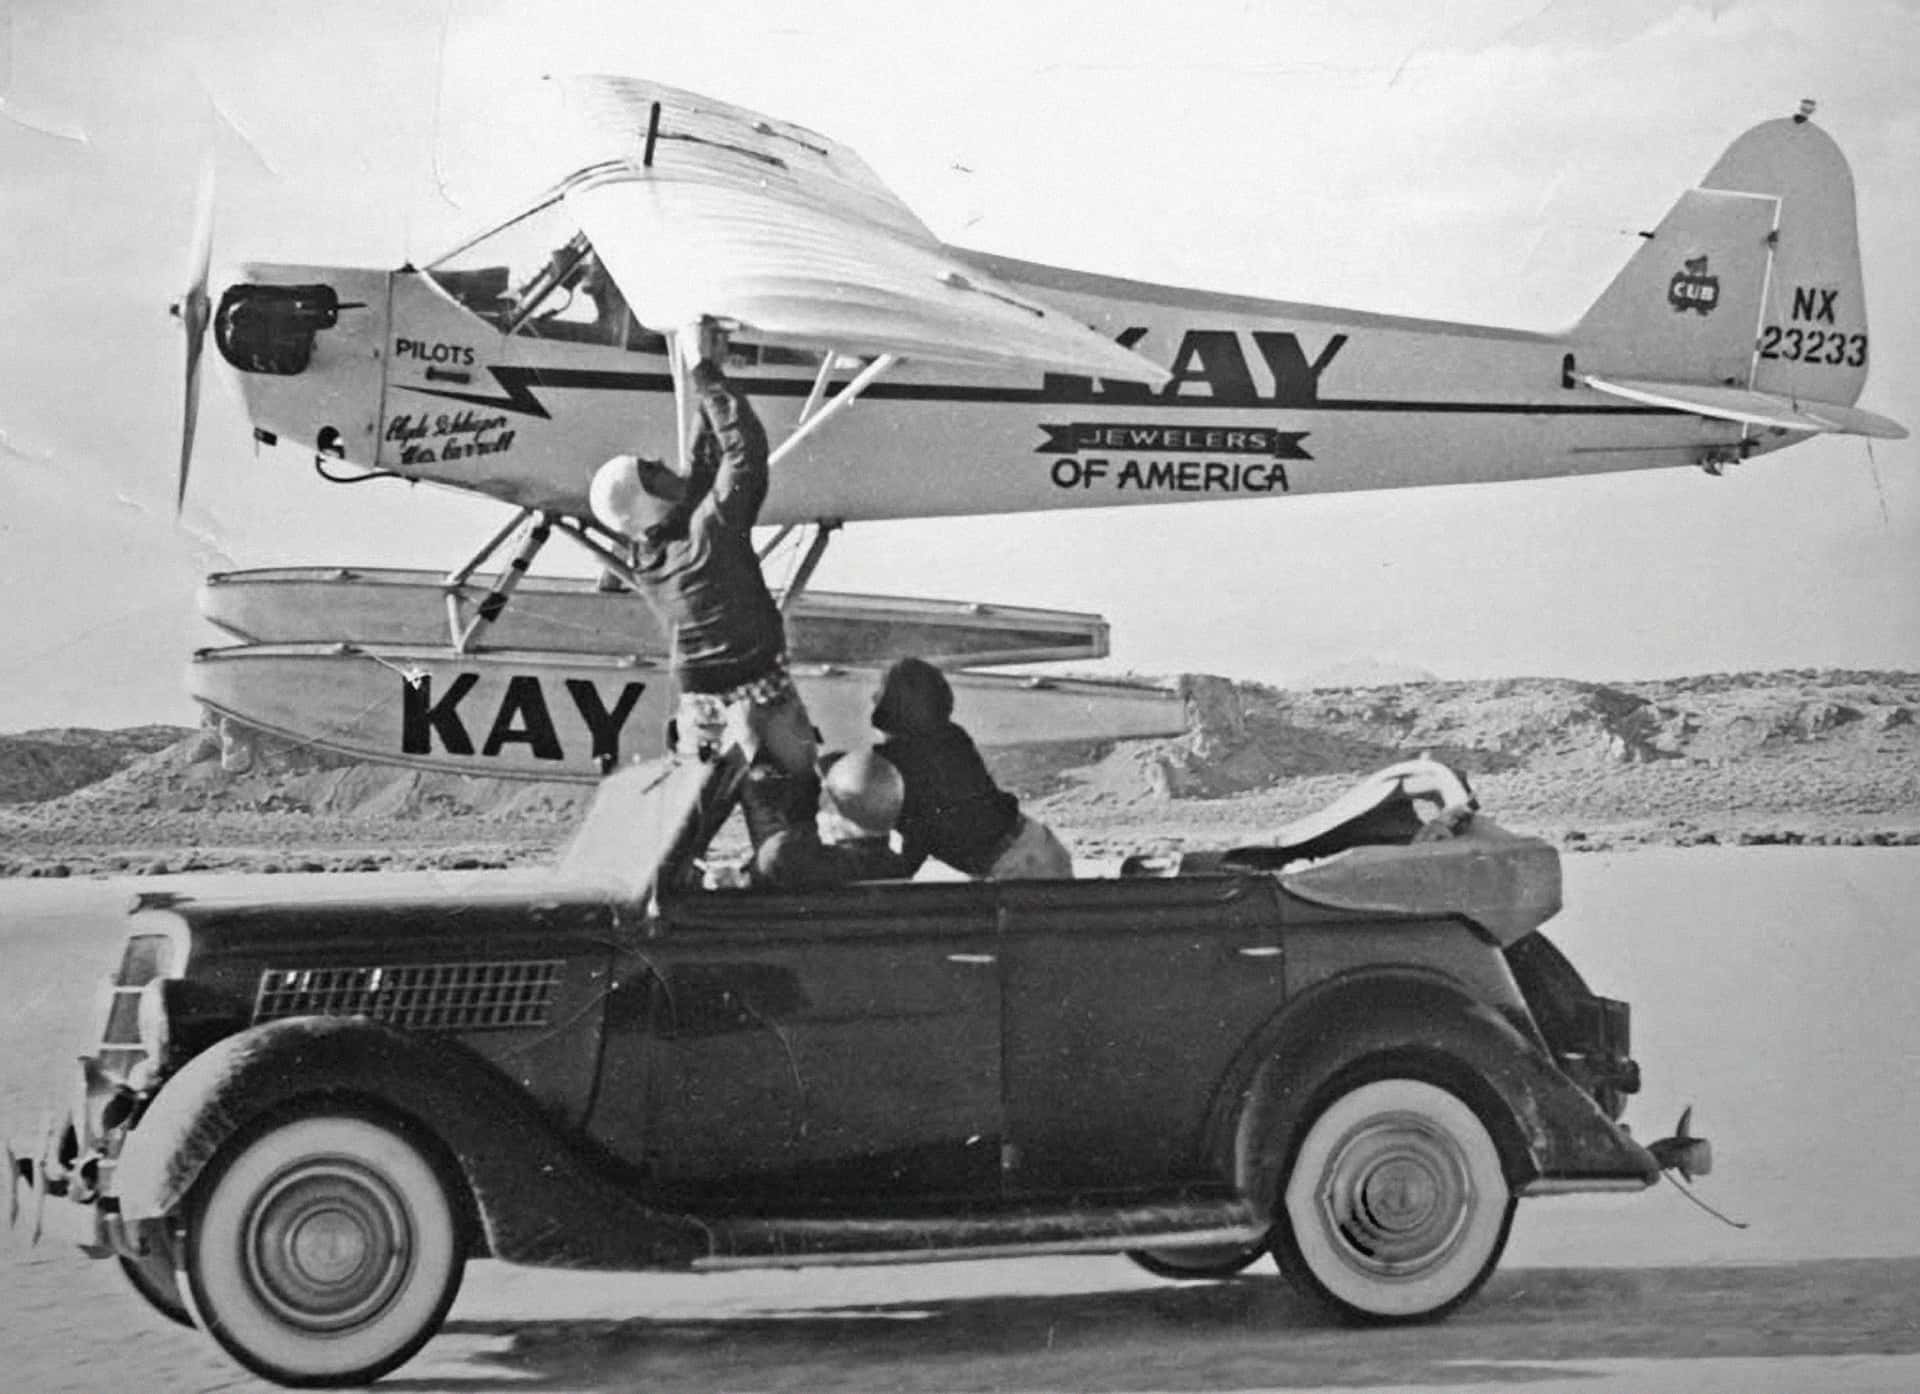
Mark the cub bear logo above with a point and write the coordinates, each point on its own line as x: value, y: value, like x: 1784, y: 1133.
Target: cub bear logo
x: 1693, y: 289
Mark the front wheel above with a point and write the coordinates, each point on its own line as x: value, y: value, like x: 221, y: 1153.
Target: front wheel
x: 323, y: 1251
x: 1396, y: 1208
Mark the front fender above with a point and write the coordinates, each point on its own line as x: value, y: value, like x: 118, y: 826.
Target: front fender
x: 539, y: 1199
x: 1546, y: 1128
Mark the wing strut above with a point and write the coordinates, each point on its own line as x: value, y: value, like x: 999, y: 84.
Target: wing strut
x: 823, y: 532
x: 821, y: 381
x: 813, y: 420
x: 817, y: 411
x: 617, y: 562
x: 781, y: 535
x: 685, y: 412
x: 820, y: 408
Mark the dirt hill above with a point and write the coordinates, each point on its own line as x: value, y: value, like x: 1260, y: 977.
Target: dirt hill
x: 38, y: 765
x: 1797, y: 756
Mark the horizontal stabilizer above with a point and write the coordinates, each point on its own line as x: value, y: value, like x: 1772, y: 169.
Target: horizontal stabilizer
x: 1752, y: 408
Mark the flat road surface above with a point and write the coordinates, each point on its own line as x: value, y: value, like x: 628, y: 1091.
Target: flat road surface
x: 1772, y: 987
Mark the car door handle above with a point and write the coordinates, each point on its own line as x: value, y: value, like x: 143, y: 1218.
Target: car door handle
x: 972, y: 958
x: 1259, y: 951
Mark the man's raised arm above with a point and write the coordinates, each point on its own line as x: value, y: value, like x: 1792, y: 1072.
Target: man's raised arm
x: 740, y: 480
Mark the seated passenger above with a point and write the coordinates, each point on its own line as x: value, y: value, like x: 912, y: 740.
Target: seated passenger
x: 612, y: 320
x: 954, y: 812
x: 860, y: 797
x: 583, y: 304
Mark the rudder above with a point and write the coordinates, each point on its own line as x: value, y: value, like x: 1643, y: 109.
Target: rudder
x: 1813, y: 326
x: 1751, y: 280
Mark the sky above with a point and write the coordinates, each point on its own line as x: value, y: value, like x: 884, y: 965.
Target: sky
x: 1489, y: 161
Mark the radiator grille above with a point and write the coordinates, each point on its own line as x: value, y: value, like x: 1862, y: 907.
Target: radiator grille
x: 419, y: 997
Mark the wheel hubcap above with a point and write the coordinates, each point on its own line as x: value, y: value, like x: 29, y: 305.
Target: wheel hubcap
x: 1396, y: 1198
x: 328, y: 1245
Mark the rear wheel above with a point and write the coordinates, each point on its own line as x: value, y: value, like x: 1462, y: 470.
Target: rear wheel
x: 1396, y: 1207
x: 1212, y: 1261
x: 323, y: 1251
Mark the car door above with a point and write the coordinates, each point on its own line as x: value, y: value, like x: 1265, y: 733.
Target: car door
x: 831, y: 1050
x: 1125, y: 1000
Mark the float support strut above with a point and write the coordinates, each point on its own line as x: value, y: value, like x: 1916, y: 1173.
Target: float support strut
x: 823, y: 532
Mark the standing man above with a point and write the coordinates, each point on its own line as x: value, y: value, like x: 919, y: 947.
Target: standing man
x: 696, y: 566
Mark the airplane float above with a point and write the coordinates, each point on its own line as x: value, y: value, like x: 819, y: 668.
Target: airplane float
x: 904, y: 378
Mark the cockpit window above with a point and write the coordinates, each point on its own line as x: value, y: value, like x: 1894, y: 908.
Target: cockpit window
x: 538, y: 276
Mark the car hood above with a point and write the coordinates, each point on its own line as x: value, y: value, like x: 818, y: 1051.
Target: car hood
x: 643, y: 825
x: 429, y: 914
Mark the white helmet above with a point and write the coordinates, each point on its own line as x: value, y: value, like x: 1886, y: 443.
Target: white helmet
x: 630, y: 494
x: 864, y: 788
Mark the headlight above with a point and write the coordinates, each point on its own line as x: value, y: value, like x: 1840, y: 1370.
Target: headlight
x: 156, y: 1028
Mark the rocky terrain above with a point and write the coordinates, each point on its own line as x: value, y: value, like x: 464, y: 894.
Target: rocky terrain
x: 1780, y: 757
x: 35, y: 765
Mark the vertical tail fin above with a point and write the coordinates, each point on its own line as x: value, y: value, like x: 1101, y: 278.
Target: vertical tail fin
x: 1752, y: 282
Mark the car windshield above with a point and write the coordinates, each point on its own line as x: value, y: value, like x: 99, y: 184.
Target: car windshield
x: 648, y: 818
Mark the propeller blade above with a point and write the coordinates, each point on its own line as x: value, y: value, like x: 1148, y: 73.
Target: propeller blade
x: 189, y: 418
x: 194, y: 311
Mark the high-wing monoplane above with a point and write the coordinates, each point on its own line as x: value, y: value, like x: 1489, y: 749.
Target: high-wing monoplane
x: 902, y: 377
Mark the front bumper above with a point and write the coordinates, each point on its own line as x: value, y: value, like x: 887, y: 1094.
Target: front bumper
x: 48, y: 1202
x: 60, y: 1183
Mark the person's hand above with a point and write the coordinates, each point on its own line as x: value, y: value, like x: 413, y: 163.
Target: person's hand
x: 704, y: 341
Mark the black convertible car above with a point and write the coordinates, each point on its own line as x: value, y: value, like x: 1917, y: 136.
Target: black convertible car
x: 1350, y: 1048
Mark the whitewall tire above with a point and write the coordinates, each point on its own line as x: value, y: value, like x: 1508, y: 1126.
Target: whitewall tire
x: 323, y: 1251
x: 1396, y: 1207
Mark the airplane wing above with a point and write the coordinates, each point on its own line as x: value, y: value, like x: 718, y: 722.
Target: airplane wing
x: 1752, y: 408
x: 722, y: 212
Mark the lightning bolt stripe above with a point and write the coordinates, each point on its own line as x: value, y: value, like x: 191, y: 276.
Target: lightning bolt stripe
x: 517, y: 395
x: 517, y: 384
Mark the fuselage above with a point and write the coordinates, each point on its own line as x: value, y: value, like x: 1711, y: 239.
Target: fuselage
x: 419, y: 375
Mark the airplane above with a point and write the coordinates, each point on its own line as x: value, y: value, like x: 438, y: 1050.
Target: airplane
x: 906, y: 378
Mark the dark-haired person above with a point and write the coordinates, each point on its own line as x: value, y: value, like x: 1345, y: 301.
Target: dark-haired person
x: 954, y: 812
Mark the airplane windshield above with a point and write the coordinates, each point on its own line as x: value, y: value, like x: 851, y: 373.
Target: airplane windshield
x: 537, y: 276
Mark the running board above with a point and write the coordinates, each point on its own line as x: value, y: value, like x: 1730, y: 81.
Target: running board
x: 541, y: 715
x: 1751, y: 408
x: 775, y: 1243
x: 565, y: 615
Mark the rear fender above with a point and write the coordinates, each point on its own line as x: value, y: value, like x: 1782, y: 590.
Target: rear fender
x: 537, y: 1198
x: 1421, y: 1028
